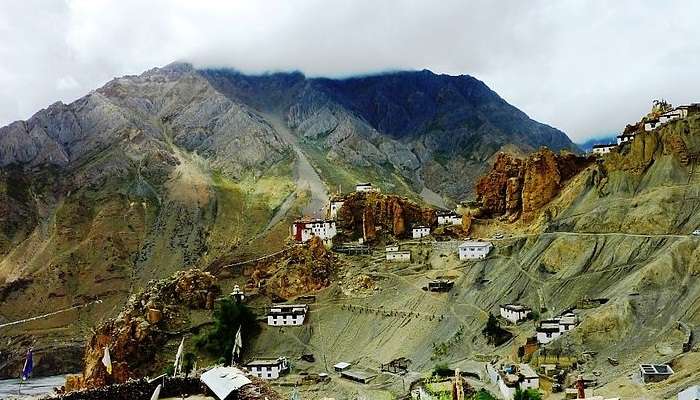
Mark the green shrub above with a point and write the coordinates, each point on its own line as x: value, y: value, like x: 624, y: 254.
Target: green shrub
x: 529, y: 394
x: 483, y: 394
x: 228, y: 317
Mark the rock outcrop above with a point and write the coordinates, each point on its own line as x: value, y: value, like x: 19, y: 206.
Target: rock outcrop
x: 366, y: 214
x: 300, y: 270
x: 519, y: 188
x: 133, y: 341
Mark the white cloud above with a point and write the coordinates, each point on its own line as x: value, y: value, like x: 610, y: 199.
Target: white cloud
x: 587, y: 67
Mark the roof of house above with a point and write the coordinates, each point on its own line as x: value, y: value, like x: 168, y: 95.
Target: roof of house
x: 475, y: 243
x: 444, y: 213
x: 359, y: 375
x: 364, y: 184
x: 527, y: 371
x: 224, y: 380
x: 284, y: 306
x: 655, y: 369
x: 420, y: 227
x: 401, y: 252
x: 342, y: 365
x: 602, y: 146
x: 516, y: 307
x: 262, y: 362
x: 547, y: 330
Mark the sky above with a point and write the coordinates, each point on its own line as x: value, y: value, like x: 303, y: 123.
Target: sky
x: 585, y: 67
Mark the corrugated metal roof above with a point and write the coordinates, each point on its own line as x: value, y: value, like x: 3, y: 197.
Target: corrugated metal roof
x: 224, y: 380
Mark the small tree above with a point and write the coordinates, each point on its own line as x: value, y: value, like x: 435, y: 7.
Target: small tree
x: 228, y: 317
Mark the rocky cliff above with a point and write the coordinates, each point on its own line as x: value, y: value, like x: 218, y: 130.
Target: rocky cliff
x: 137, y: 335
x: 366, y: 214
x: 516, y: 187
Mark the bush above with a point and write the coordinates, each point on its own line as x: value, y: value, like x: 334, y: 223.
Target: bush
x: 482, y: 394
x: 529, y: 394
x: 442, y: 370
x: 228, y: 317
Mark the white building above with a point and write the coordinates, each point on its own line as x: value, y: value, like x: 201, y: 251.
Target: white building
x: 515, y: 312
x: 692, y: 393
x: 366, y: 187
x: 474, y: 250
x: 287, y: 314
x: 268, y: 369
x: 303, y: 230
x: 392, y: 247
x: 655, y: 372
x: 334, y: 207
x: 551, y: 329
x: 547, y: 335
x: 398, y: 256
x: 671, y: 115
x: 601, y: 149
x: 420, y: 231
x: 513, y: 377
x: 625, y: 137
x: 449, y: 218
x: 652, y: 124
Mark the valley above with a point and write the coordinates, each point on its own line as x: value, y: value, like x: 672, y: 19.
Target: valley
x: 181, y: 169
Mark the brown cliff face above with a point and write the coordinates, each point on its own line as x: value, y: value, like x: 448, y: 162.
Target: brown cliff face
x: 133, y: 341
x: 518, y: 188
x: 367, y: 213
x: 300, y: 270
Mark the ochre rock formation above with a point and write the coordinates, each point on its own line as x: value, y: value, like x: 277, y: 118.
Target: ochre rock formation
x: 515, y: 187
x: 300, y: 270
x: 134, y: 341
x: 364, y: 214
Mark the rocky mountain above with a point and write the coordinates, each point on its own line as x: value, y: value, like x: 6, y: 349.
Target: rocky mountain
x: 434, y: 131
x: 183, y: 168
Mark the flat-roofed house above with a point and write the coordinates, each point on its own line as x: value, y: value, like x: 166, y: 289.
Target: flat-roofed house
x: 547, y: 334
x: 445, y: 217
x: 287, y: 314
x: 602, y: 149
x: 398, y: 256
x: 366, y: 187
x: 304, y: 230
x: 268, y: 368
x: 420, y: 231
x: 392, y: 247
x: 474, y: 250
x: 515, y: 312
x: 625, y: 137
x: 510, y: 378
x: 652, y: 124
x: 655, y: 372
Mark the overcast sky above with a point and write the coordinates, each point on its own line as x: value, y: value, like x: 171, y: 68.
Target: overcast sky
x: 586, y: 67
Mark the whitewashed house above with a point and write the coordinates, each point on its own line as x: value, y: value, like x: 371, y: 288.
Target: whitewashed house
x: 392, y: 247
x: 655, y: 372
x: 546, y: 335
x: 625, y: 137
x: 474, y: 250
x: 509, y: 378
x: 449, y: 218
x: 551, y: 329
x: 303, y: 230
x: 515, y: 312
x: 398, y: 256
x: 652, y: 124
x: 287, y: 314
x: 268, y: 368
x: 366, y: 187
x: 670, y: 116
x: 602, y: 149
x: 420, y: 231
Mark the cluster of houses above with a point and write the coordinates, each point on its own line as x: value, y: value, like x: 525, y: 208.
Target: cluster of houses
x: 550, y: 329
x: 676, y: 113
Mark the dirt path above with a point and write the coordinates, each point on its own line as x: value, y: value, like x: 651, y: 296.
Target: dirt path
x: 305, y: 175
